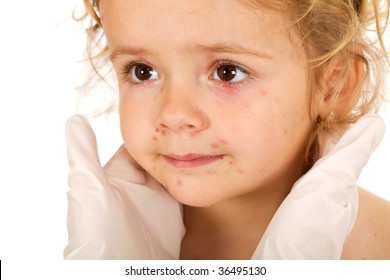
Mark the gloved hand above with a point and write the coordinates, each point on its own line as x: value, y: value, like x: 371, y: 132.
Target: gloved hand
x: 119, y: 211
x: 317, y: 216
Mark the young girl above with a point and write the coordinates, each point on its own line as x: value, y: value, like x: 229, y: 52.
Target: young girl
x: 245, y: 125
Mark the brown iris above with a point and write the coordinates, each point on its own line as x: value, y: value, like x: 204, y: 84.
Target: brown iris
x: 227, y: 72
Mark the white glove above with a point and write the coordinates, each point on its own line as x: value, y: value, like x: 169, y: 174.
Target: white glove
x: 317, y: 216
x: 119, y: 211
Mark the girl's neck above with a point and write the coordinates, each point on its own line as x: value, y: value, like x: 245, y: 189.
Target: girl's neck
x: 231, y: 229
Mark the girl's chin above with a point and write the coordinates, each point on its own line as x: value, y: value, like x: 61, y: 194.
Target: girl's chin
x: 195, y: 199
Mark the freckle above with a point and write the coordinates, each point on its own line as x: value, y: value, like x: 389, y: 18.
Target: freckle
x: 240, y: 171
x: 154, y: 138
x: 285, y: 131
x: 154, y: 168
x: 230, y: 162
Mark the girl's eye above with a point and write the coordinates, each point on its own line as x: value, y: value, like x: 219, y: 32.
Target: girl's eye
x: 141, y: 72
x: 229, y: 73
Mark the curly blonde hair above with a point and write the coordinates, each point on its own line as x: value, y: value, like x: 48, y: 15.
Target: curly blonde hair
x: 332, y: 31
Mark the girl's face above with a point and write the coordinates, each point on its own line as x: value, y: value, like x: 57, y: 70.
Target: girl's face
x: 213, y: 96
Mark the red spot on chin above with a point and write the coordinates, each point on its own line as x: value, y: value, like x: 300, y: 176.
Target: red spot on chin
x: 179, y: 182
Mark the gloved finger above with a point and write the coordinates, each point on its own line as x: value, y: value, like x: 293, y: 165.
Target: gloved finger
x: 357, y: 144
x: 123, y: 166
x: 82, y: 151
x: 316, y: 217
x: 342, y: 166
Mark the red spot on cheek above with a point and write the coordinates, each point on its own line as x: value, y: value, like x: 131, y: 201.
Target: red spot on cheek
x: 214, y: 145
x: 154, y: 138
x: 160, y: 131
x: 263, y: 93
x: 194, y: 133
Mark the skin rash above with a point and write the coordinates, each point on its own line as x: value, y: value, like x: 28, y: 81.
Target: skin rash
x: 195, y: 85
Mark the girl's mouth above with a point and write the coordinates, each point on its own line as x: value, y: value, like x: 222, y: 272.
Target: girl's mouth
x: 191, y: 160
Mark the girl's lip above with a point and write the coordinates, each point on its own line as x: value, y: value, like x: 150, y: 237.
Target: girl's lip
x: 191, y: 160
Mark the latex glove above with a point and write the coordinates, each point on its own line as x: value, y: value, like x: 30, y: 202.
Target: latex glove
x: 317, y: 216
x: 119, y: 211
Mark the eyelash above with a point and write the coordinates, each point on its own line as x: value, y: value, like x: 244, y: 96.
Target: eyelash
x: 126, y: 69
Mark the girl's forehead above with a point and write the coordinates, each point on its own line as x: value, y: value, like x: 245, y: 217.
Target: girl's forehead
x: 190, y: 22
x: 188, y: 11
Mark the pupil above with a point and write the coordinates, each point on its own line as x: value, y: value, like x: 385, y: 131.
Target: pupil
x: 226, y: 73
x: 143, y: 72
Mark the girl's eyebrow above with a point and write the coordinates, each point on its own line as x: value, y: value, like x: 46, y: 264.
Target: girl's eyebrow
x: 233, y: 48
x: 212, y: 48
x: 120, y: 51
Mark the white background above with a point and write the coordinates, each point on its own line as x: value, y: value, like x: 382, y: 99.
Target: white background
x: 39, y: 48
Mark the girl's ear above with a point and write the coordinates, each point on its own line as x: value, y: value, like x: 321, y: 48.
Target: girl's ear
x: 342, y: 80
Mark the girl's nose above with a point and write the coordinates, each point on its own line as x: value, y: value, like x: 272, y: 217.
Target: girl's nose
x: 179, y: 113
